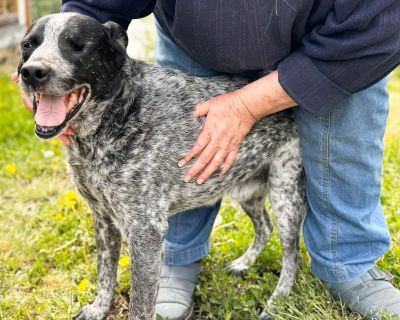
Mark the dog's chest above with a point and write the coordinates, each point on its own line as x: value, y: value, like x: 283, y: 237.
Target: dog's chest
x: 96, y: 174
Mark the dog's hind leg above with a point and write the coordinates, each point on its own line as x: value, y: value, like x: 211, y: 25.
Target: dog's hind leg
x: 286, y: 190
x: 255, y: 209
x: 108, y: 243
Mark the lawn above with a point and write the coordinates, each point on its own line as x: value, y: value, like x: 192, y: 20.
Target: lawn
x: 47, y: 249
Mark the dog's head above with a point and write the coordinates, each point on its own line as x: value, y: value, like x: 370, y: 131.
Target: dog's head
x: 68, y: 59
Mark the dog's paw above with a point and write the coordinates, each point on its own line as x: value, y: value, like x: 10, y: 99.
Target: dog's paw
x: 237, y: 268
x: 92, y: 312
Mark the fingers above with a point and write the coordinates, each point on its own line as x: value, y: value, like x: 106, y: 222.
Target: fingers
x: 25, y: 98
x: 27, y: 101
x: 230, y: 159
x: 202, y: 110
x: 205, y: 157
x: 70, y: 131
x: 213, y: 166
x: 202, y: 141
x: 15, y: 77
x: 210, y: 159
x: 65, y: 136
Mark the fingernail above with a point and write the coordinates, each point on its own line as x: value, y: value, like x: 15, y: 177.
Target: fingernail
x: 187, y: 178
x: 200, y: 181
x: 181, y: 164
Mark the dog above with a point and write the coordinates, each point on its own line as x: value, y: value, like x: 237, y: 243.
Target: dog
x: 134, y: 122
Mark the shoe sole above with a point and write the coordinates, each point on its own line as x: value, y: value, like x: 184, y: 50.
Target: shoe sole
x: 191, y: 313
x: 190, y: 316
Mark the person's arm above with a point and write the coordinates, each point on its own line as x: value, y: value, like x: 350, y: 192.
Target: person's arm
x: 119, y: 11
x: 357, y: 45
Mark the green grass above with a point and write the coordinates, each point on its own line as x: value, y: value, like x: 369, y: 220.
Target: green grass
x: 47, y: 243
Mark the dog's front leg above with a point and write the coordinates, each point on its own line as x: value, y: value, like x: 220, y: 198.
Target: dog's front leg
x: 146, y: 240
x: 108, y: 243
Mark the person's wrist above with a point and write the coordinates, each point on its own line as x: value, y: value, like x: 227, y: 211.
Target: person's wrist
x: 246, y: 114
x: 265, y: 96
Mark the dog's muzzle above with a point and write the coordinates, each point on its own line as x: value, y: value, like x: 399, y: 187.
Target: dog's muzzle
x: 53, y: 112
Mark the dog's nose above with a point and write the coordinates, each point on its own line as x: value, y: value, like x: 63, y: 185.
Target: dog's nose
x: 34, y: 73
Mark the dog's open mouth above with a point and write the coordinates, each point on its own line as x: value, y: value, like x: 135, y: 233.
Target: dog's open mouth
x: 53, y: 112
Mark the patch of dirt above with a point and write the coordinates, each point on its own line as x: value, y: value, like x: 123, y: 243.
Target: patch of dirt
x: 120, y: 307
x: 9, y: 58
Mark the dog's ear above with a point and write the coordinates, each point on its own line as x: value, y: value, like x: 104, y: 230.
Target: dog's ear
x: 116, y: 33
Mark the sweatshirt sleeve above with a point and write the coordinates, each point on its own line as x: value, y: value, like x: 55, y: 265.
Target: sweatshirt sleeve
x: 119, y: 11
x: 357, y: 45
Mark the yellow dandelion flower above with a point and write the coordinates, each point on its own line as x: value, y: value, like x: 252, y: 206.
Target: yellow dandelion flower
x: 54, y: 142
x: 69, y: 200
x: 72, y: 196
x: 58, y: 217
x: 124, y: 261
x: 83, y: 286
x: 10, y: 168
x: 64, y: 202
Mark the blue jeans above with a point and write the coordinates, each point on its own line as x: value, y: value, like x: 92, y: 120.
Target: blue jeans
x: 345, y: 230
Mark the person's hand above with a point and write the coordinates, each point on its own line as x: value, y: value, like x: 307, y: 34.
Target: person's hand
x: 25, y: 98
x: 229, y: 118
x: 227, y: 123
x: 65, y: 136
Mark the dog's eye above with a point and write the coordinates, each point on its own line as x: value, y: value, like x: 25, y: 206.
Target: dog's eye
x: 27, y: 45
x: 77, y: 46
x: 33, y: 41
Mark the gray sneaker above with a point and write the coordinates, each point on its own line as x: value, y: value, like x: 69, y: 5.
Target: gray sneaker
x: 175, y: 295
x: 371, y: 295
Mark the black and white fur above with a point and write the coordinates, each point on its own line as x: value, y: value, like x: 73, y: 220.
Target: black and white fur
x: 135, y: 124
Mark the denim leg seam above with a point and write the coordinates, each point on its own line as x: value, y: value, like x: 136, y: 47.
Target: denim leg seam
x: 170, y: 252
x: 325, y: 192
x: 325, y: 179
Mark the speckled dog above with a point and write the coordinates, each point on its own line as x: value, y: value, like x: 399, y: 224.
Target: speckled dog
x: 135, y: 122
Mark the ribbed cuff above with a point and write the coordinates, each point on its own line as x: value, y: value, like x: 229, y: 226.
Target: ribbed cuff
x: 302, y: 80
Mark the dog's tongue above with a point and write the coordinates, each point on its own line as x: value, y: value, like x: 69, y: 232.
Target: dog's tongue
x: 51, y: 111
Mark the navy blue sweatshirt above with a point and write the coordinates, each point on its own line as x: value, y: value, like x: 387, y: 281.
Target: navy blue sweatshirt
x: 324, y: 50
